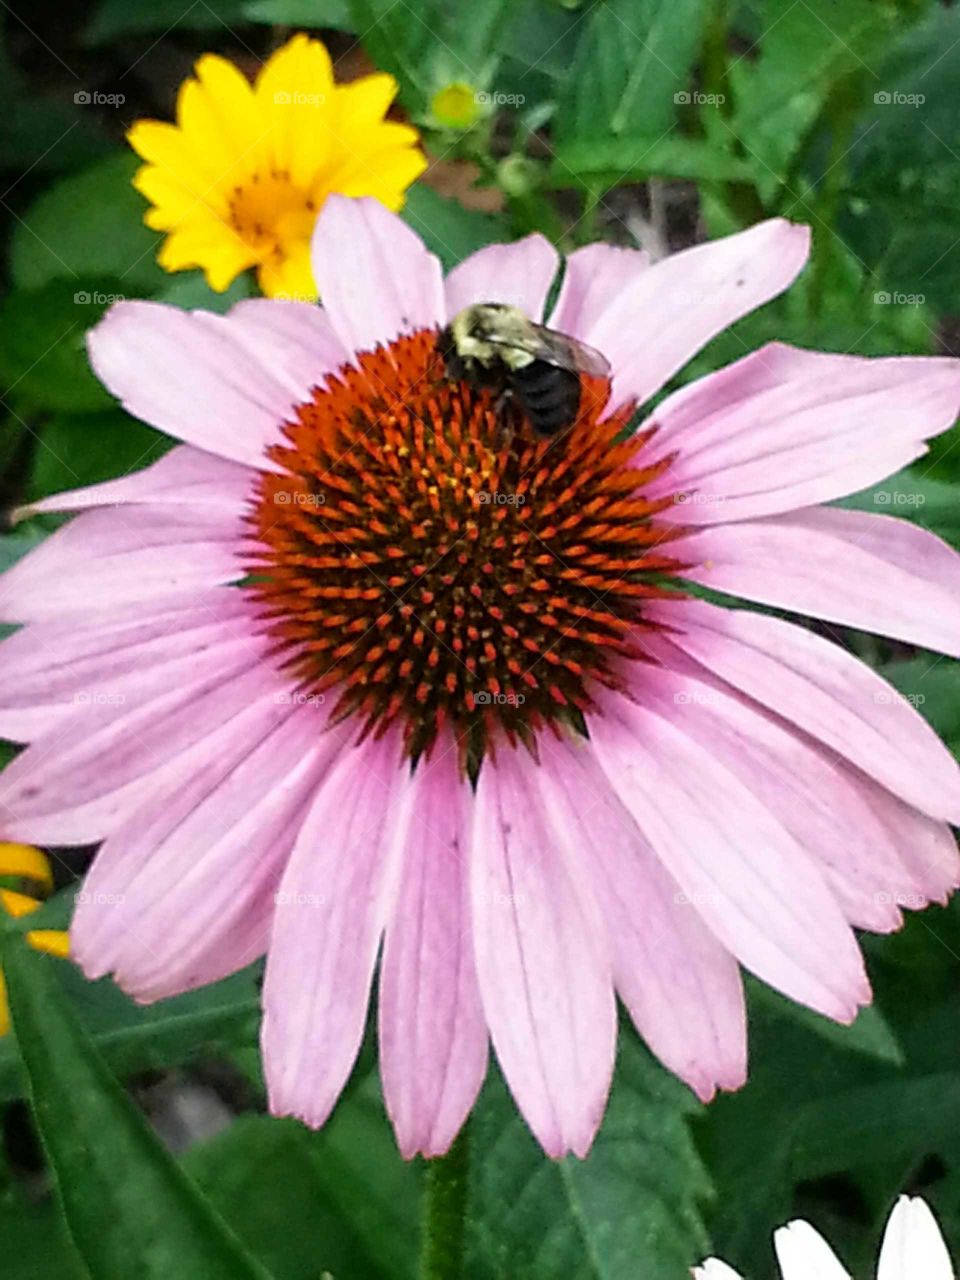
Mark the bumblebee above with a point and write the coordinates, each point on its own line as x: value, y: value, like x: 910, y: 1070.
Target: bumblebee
x: 493, y: 344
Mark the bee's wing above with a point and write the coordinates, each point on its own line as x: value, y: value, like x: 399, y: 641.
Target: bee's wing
x: 567, y: 353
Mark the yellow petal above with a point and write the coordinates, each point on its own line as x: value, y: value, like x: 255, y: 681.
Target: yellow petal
x: 385, y: 176
x: 4, y: 1007
x: 232, y: 100
x: 295, y: 92
x: 17, y: 904
x: 174, y: 202
x: 292, y: 278
x: 53, y: 942
x: 25, y: 860
x: 169, y: 147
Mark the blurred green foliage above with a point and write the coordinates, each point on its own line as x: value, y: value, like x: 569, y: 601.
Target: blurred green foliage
x: 670, y: 120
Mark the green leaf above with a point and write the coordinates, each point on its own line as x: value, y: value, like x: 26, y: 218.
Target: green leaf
x: 308, y: 14
x: 912, y: 495
x: 613, y: 161
x: 432, y: 44
x: 91, y: 225
x: 904, y: 198
x: 450, y: 230
x: 134, y: 1038
x: 350, y: 1205
x: 631, y: 69
x: 801, y: 52
x: 35, y: 1240
x: 75, y: 451
x: 43, y: 360
x: 631, y: 1208
x: 122, y: 1193
x: 113, y: 19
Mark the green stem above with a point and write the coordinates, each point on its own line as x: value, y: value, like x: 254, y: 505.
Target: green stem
x: 445, y: 1210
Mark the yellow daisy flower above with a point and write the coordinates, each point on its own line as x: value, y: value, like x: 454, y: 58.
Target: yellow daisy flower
x: 237, y: 182
x: 25, y: 862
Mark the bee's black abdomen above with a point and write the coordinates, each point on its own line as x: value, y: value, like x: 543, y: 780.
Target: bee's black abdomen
x: 550, y: 396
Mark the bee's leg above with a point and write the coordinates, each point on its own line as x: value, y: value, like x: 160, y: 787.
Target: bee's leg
x: 505, y: 408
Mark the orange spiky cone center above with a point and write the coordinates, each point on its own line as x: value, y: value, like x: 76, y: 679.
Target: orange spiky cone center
x: 416, y: 563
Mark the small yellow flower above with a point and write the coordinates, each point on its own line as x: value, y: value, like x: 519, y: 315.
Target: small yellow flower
x: 237, y: 182
x: 25, y: 862
x: 457, y: 105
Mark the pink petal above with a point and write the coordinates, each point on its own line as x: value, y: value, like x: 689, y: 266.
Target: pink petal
x: 757, y: 889
x: 682, y: 988
x: 825, y: 806
x: 294, y: 339
x: 666, y: 314
x: 183, y: 477
x: 520, y: 274
x: 926, y: 849
x: 433, y: 1037
x: 592, y: 276
x: 375, y: 276
x: 183, y: 893
x: 877, y: 573
x: 542, y: 959
x: 106, y: 559
x: 826, y: 692
x: 193, y: 375
x: 785, y: 428
x: 334, y: 900
x: 50, y: 671
x: 77, y: 785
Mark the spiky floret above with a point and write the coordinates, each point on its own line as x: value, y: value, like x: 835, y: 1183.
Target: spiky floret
x: 418, y: 564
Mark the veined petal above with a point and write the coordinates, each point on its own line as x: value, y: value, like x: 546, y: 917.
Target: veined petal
x: 520, y: 274
x: 785, y: 428
x: 192, y: 375
x: 681, y: 986
x: 332, y: 906
x: 433, y: 1038
x: 760, y: 893
x: 399, y: 287
x: 592, y: 276
x: 183, y: 893
x: 104, y: 560
x: 826, y: 692
x: 542, y: 961
x: 877, y: 573
x: 183, y: 477
x: 651, y: 329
